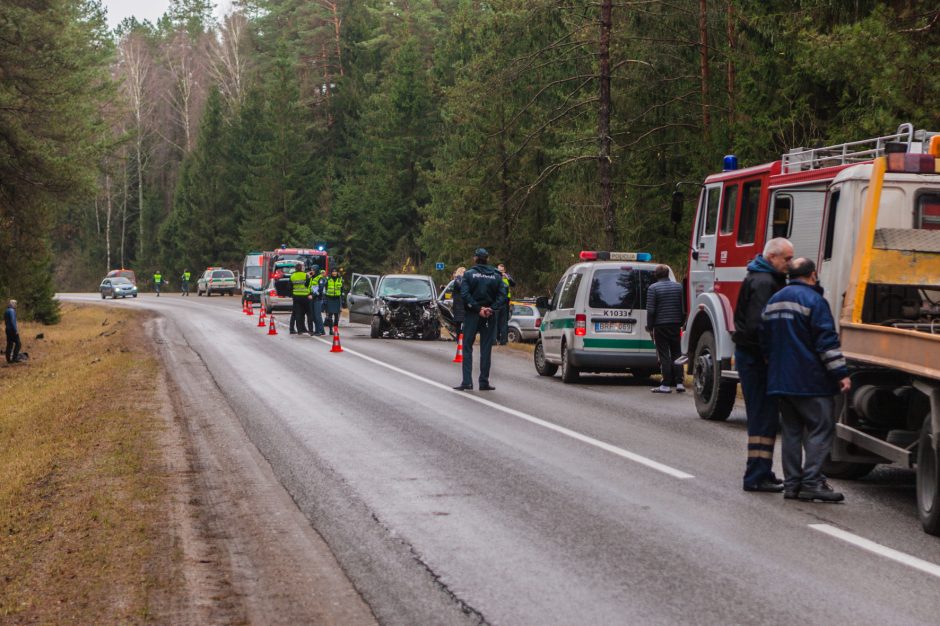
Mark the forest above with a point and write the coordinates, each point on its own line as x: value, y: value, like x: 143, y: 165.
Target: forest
x: 401, y: 133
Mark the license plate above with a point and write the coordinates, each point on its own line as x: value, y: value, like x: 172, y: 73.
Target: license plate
x: 613, y: 327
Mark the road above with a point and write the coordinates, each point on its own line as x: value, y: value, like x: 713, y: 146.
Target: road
x: 541, y: 502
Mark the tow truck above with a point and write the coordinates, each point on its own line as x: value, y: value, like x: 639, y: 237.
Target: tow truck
x: 868, y: 212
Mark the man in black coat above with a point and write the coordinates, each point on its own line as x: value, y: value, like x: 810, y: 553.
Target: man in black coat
x: 484, y: 295
x: 664, y: 318
x: 766, y: 275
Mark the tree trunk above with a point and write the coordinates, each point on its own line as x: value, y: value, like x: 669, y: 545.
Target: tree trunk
x: 107, y: 224
x: 603, y: 126
x: 703, y: 55
x: 124, y: 203
x: 731, y: 52
x: 140, y: 194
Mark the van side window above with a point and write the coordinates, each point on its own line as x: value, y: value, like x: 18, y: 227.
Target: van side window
x: 569, y: 292
x: 556, y: 296
x: 782, y: 217
x: 928, y: 211
x: 750, y: 207
x: 831, y: 225
x: 729, y: 209
x: 710, y: 219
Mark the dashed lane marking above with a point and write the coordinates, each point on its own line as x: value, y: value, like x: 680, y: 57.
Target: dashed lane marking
x: 626, y: 454
x: 877, y: 548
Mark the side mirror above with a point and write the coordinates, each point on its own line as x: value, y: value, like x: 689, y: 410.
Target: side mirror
x: 678, y: 199
x: 541, y: 303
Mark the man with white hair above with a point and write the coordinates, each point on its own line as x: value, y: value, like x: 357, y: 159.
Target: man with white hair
x: 12, y: 350
x: 766, y: 275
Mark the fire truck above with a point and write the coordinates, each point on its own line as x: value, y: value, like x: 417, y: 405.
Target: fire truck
x: 868, y: 213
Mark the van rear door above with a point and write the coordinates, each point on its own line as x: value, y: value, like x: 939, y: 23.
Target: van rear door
x: 616, y: 309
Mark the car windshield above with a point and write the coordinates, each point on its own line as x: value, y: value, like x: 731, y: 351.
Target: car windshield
x: 405, y: 288
x: 120, y: 280
x: 253, y: 271
x: 623, y: 288
x: 222, y: 274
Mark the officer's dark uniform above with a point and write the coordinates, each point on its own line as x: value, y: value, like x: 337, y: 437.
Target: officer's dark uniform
x: 482, y: 286
x: 300, y: 289
x: 315, y: 311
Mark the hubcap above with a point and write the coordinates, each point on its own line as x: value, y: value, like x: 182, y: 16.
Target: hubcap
x: 539, y: 356
x: 702, y: 375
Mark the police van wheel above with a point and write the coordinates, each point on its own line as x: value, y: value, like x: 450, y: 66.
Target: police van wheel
x: 928, y: 479
x: 714, y: 397
x: 543, y: 367
x: 569, y: 373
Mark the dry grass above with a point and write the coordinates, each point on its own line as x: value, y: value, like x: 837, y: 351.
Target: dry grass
x: 82, y: 487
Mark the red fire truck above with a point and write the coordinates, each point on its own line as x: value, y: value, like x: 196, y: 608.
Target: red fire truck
x: 797, y: 197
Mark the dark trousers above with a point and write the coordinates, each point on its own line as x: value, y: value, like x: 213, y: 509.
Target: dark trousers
x: 486, y: 326
x: 184, y: 288
x: 807, y: 425
x: 12, y: 350
x: 763, y: 420
x: 298, y: 314
x: 668, y: 349
x: 316, y: 315
x: 156, y: 287
x: 502, y: 325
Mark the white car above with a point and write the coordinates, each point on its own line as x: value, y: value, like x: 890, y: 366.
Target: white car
x: 596, y: 319
x: 216, y: 280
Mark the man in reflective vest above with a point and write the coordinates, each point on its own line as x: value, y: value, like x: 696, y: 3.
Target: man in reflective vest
x: 334, y: 299
x: 300, y: 290
x: 184, y: 283
x: 502, y: 324
x: 157, y: 282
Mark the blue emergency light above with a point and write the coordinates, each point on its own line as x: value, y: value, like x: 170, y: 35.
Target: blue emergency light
x: 729, y: 163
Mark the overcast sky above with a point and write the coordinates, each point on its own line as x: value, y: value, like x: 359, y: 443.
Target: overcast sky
x: 147, y: 9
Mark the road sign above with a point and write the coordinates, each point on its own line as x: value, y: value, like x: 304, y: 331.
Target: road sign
x: 439, y: 266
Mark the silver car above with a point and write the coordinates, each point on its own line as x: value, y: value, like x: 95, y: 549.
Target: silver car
x: 117, y: 287
x: 524, y: 322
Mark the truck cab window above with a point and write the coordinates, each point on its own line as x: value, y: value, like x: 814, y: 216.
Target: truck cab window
x: 729, y: 209
x: 831, y: 225
x: 750, y: 207
x: 782, y: 217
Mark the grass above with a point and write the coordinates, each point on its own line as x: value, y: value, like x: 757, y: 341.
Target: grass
x: 82, y: 486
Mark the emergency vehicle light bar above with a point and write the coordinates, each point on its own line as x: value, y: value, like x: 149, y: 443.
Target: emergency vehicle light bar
x: 593, y: 255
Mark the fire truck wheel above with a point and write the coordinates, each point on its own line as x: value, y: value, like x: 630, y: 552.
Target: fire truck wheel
x: 569, y: 373
x: 714, y: 397
x: 928, y: 480
x: 846, y: 470
x: 543, y: 367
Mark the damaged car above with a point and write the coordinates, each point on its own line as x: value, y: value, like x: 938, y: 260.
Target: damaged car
x: 395, y: 305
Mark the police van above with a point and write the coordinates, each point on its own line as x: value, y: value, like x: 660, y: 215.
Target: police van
x: 596, y: 319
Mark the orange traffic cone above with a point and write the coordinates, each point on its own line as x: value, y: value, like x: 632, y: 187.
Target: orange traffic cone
x: 245, y: 307
x: 251, y: 308
x: 261, y: 323
x: 459, y: 357
x: 272, y: 329
x: 336, y: 347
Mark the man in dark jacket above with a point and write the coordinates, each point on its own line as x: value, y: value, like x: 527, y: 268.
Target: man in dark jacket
x: 805, y: 370
x: 484, y: 294
x: 766, y: 275
x: 12, y: 351
x: 664, y: 317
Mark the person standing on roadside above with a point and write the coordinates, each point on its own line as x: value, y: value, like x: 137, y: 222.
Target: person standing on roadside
x: 300, y: 290
x: 805, y: 369
x: 502, y: 324
x: 184, y: 283
x: 664, y: 318
x: 12, y: 350
x: 457, y: 305
x: 484, y: 293
x: 316, y: 302
x: 334, y: 299
x: 766, y: 275
x: 157, y: 282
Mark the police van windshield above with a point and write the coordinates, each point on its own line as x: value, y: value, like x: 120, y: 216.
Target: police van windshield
x: 253, y: 271
x: 620, y: 288
x: 405, y: 288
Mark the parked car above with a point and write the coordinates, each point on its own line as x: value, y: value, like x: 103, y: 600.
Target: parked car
x: 216, y: 280
x: 524, y: 321
x: 128, y: 274
x: 395, y: 305
x: 117, y: 287
x: 278, y: 296
x: 250, y: 278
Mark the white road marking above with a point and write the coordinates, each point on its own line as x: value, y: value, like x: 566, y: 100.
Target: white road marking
x: 877, y: 548
x: 626, y: 454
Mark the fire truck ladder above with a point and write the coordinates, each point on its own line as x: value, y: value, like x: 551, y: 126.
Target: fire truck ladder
x: 803, y: 159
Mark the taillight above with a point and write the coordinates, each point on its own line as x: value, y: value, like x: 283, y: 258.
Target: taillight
x: 272, y: 293
x: 580, y: 325
x: 538, y: 323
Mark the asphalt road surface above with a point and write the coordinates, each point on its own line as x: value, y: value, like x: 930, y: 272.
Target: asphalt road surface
x: 545, y: 503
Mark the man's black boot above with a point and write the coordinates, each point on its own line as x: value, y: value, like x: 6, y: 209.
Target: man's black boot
x: 462, y: 387
x: 822, y: 492
x: 767, y: 485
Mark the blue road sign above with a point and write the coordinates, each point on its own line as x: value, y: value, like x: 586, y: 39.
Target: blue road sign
x: 438, y: 266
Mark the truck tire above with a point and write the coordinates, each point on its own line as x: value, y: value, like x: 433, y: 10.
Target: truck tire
x: 714, y: 397
x: 846, y: 470
x: 569, y: 373
x: 928, y: 480
x: 543, y: 367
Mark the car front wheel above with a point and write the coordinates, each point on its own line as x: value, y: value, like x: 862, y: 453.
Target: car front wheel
x: 103, y: 297
x: 375, y: 331
x: 543, y: 367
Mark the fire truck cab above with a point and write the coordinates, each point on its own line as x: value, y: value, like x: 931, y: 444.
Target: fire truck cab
x: 813, y: 197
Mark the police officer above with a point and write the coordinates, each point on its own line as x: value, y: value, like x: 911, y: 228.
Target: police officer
x: 300, y: 290
x: 157, y: 282
x: 484, y: 294
x: 12, y: 351
x: 334, y: 299
x: 317, y: 287
x: 502, y: 324
x: 184, y: 283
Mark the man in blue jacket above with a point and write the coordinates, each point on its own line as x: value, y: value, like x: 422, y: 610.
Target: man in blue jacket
x: 805, y: 370
x: 484, y: 294
x: 12, y: 350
